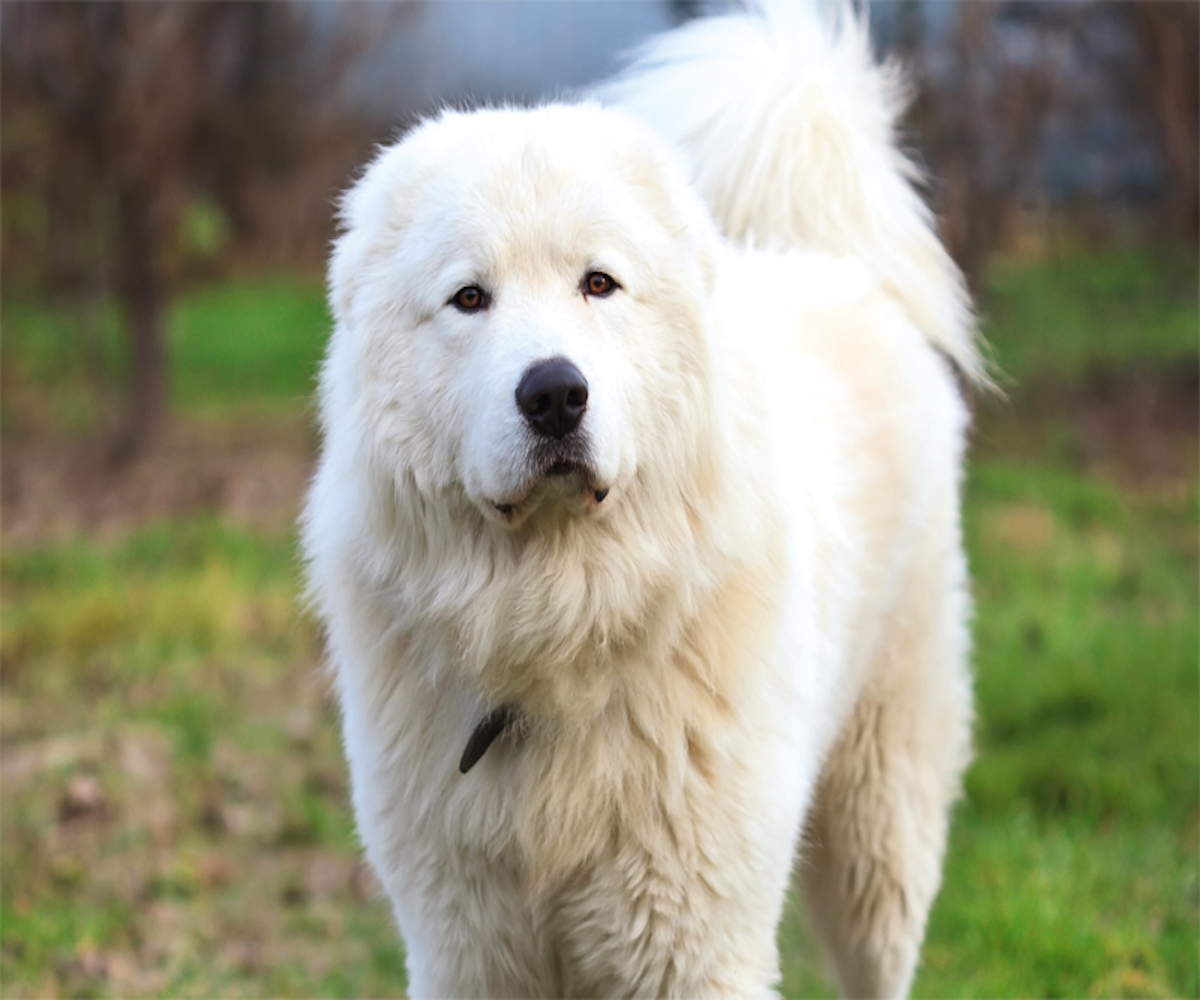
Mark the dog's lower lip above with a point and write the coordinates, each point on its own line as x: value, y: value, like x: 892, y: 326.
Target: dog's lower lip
x: 559, y: 469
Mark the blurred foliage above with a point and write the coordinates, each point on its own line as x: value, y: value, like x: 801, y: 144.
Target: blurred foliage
x: 149, y: 145
x: 142, y: 140
x: 994, y: 82
x: 204, y: 231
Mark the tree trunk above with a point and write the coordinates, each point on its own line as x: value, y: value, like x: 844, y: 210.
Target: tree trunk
x: 139, y: 288
x: 1169, y: 39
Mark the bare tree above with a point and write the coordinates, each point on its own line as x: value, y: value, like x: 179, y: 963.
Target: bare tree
x: 994, y: 75
x: 134, y: 108
x: 979, y: 116
x: 1162, y: 85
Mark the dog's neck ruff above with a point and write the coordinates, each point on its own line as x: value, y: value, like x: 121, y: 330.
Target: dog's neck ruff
x: 486, y: 733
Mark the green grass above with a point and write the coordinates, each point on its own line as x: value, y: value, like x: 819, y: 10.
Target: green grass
x: 173, y: 668
x: 213, y: 851
x: 248, y: 341
x: 1075, y: 850
x: 231, y: 346
x: 1062, y: 319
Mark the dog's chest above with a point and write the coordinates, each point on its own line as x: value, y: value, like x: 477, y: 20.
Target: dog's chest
x: 595, y: 854
x: 621, y: 861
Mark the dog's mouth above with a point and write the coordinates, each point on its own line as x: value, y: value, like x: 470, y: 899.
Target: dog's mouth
x: 570, y: 478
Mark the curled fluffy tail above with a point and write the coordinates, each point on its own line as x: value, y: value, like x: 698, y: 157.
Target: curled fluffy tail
x: 789, y: 124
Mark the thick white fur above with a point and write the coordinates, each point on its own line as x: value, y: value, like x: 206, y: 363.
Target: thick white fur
x: 759, y: 630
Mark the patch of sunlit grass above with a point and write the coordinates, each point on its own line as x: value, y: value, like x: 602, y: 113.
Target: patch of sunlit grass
x: 176, y: 816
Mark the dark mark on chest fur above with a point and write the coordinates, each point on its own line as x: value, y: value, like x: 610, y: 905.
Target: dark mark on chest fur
x: 485, y: 734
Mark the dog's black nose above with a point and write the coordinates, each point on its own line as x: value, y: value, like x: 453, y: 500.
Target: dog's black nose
x: 553, y: 395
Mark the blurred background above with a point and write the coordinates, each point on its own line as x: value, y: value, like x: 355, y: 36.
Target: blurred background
x: 175, y: 812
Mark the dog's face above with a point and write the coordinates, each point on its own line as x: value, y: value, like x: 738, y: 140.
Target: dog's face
x: 520, y: 301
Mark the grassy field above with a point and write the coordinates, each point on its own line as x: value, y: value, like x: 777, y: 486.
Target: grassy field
x: 175, y: 817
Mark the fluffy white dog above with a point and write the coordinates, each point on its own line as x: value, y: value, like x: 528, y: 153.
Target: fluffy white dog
x: 636, y: 533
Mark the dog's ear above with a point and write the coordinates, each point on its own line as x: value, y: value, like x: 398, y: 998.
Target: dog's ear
x: 363, y: 221
x: 374, y: 212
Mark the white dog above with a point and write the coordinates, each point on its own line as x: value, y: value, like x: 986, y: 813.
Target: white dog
x: 636, y: 534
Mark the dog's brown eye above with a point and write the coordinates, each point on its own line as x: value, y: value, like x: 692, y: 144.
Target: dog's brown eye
x: 470, y: 299
x: 598, y: 283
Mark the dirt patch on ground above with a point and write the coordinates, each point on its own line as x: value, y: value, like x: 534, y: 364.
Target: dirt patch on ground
x: 252, y: 471
x: 1139, y: 428
x: 1142, y: 418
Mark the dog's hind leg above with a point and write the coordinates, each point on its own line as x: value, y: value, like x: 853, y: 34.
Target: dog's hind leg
x: 871, y: 863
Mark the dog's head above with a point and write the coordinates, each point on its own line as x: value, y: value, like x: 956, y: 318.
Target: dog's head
x: 520, y: 299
